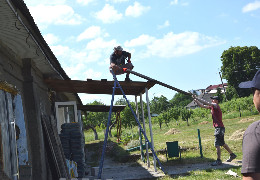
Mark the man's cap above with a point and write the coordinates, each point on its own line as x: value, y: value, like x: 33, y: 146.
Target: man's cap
x: 118, y: 48
x: 215, y: 97
x: 255, y: 83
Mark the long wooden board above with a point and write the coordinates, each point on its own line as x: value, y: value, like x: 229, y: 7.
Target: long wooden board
x: 57, y: 154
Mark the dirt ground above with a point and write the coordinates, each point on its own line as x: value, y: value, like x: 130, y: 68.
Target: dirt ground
x: 120, y: 171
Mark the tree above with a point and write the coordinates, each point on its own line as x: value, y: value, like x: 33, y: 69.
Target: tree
x: 240, y: 64
x: 127, y: 117
x: 231, y: 93
x: 165, y: 117
x: 159, y: 119
x: 180, y: 100
x: 121, y: 101
x: 94, y: 119
x: 174, y: 113
x: 159, y: 104
x: 186, y: 114
x: 220, y: 95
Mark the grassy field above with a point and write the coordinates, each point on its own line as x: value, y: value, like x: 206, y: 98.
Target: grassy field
x: 187, y: 136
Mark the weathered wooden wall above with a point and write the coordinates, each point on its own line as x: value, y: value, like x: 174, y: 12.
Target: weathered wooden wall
x: 9, y: 149
x: 22, y: 139
x: 35, y: 102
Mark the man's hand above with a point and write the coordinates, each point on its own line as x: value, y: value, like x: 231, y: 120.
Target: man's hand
x: 194, y: 96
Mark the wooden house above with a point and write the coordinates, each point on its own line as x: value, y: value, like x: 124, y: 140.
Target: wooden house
x: 26, y: 61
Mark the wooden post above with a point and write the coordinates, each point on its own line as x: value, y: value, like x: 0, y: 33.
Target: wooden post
x: 150, y: 126
x: 201, y: 155
x: 146, y: 143
x: 139, y: 130
x: 33, y: 123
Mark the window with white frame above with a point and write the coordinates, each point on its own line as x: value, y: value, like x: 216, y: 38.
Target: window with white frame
x: 66, y: 112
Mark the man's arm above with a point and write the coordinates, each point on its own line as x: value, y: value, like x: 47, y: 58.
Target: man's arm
x: 202, y: 103
x: 128, y: 55
x: 112, y: 61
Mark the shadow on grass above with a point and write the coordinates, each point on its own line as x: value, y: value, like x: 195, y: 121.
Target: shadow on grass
x: 210, y: 173
x: 113, y: 150
x: 123, y: 165
x: 187, y: 160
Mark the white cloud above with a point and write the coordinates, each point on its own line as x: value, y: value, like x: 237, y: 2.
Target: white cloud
x: 88, y: 98
x: 99, y: 43
x: 91, y: 74
x: 251, y: 7
x: 174, y: 2
x: 166, y: 24
x: 94, y: 52
x: 175, y: 45
x: 44, y: 2
x: 140, y: 41
x: 73, y: 71
x: 136, y: 10
x: 51, y: 39
x: 177, y: 2
x: 90, y: 33
x: 108, y: 14
x: 117, y: 1
x: 70, y: 57
x: 105, y: 62
x: 85, y: 2
x: 58, y: 14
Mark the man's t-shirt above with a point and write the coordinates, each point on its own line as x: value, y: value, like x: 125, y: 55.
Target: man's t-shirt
x: 216, y: 116
x: 119, y: 60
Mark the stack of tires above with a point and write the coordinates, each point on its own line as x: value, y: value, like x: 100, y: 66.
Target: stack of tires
x: 73, y: 143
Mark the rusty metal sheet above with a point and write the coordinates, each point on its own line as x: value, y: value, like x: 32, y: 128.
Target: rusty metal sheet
x: 98, y: 87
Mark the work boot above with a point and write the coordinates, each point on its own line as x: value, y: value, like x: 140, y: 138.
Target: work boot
x: 127, y: 78
x: 231, y: 157
x: 217, y: 163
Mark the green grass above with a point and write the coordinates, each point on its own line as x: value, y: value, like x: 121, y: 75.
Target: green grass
x: 206, y: 175
x: 188, y: 140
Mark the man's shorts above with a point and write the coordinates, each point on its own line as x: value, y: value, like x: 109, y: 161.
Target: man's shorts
x: 251, y: 149
x: 219, y: 136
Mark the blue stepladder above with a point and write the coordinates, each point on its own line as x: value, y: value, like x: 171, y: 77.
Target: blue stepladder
x: 117, y: 85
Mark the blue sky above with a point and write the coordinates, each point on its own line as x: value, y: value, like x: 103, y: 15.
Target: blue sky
x: 178, y: 42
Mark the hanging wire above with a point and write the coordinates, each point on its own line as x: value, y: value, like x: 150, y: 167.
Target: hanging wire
x: 16, y: 21
x: 36, y: 51
x: 27, y: 39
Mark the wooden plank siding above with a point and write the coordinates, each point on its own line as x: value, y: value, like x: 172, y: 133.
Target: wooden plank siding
x: 8, y: 137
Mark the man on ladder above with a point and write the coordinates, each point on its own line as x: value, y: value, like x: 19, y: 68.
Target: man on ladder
x: 117, y: 62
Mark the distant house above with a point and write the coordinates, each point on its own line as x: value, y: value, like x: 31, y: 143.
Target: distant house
x: 207, y: 93
x: 212, y: 89
x: 193, y: 105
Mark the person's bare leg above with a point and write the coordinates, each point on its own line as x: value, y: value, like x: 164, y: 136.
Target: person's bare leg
x: 227, y: 148
x: 218, y: 152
